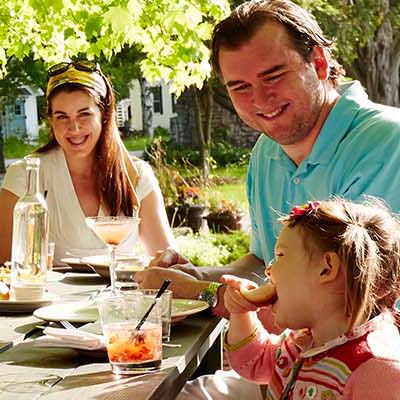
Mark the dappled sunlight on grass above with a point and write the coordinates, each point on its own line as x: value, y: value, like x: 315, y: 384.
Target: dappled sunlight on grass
x: 214, y: 249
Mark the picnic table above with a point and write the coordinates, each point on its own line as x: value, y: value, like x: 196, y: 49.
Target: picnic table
x: 31, y: 372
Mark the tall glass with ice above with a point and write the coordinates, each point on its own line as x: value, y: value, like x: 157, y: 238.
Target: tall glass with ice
x: 131, y: 351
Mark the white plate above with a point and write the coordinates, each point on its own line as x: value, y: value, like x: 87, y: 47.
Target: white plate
x: 78, y: 311
x: 104, y: 260
x: 25, y: 306
x: 182, y: 308
x: 53, y: 276
x: 77, y: 265
x: 81, y: 312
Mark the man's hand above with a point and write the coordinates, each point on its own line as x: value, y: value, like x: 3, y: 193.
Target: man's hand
x: 182, y: 285
x: 234, y: 302
x: 167, y: 258
x: 172, y: 259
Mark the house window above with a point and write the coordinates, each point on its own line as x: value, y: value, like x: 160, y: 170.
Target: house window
x: 173, y: 102
x: 157, y: 99
x: 18, y: 109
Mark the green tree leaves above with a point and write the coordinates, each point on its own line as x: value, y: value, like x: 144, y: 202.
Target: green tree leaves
x: 170, y: 33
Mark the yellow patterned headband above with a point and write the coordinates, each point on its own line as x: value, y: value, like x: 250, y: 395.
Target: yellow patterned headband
x: 82, y: 73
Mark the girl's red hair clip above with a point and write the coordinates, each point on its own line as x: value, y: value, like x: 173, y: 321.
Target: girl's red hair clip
x: 298, y: 211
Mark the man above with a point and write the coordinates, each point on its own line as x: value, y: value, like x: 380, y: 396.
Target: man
x: 319, y: 139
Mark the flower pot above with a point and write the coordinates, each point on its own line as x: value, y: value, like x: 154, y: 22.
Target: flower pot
x: 191, y: 215
x: 195, y: 216
x: 224, y: 222
x: 177, y: 215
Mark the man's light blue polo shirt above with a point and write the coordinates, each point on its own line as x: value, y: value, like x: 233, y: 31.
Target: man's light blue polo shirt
x: 357, y: 153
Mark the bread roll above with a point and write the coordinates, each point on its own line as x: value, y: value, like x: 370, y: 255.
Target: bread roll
x: 261, y: 296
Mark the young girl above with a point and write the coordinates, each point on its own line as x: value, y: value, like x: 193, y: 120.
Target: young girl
x: 337, y: 276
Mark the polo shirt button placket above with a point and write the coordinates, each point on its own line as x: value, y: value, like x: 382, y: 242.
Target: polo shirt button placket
x: 296, y: 180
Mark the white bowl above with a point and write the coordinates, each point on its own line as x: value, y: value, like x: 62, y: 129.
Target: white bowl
x: 28, y: 293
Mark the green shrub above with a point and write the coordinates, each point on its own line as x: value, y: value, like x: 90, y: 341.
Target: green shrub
x: 237, y: 243
x: 222, y: 153
x: 214, y: 249
x: 44, y: 134
x: 225, y: 154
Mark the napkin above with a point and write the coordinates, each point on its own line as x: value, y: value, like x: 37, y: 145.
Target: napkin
x: 73, y: 338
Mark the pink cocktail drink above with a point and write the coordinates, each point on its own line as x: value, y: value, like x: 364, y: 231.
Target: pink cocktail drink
x: 132, y: 351
x: 113, y: 233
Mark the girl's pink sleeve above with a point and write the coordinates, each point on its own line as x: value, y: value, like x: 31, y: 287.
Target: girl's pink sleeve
x: 266, y: 317
x: 256, y: 360
x: 374, y: 379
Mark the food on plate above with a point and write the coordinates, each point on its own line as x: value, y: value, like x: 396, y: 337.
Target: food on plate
x: 261, y: 296
x: 4, y: 291
x: 5, y: 274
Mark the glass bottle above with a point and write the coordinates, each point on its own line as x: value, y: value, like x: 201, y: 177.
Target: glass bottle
x: 30, y: 238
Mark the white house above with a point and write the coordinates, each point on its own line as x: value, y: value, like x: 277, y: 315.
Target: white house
x: 159, y: 106
x: 20, y: 118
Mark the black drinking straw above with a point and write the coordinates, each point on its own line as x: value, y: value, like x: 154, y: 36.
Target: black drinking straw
x: 158, y: 295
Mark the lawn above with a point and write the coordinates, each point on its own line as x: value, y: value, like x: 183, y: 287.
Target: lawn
x: 17, y: 148
x: 234, y: 187
x: 135, y: 143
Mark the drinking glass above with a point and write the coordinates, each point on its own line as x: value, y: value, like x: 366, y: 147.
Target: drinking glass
x: 131, y: 350
x: 166, y: 309
x: 112, y: 230
x: 125, y: 273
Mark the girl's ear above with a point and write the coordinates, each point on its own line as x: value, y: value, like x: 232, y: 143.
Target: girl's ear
x: 321, y: 63
x: 330, y: 267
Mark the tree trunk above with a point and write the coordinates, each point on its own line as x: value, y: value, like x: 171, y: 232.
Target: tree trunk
x: 378, y: 64
x: 147, y: 107
x: 203, y: 111
x: 2, y: 161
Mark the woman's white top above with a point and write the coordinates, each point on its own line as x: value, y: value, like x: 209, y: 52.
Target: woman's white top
x: 68, y: 228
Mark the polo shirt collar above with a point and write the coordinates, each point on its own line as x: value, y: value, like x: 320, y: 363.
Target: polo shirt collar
x: 340, y: 118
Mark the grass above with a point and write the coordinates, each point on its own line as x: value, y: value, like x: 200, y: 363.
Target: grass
x: 214, y: 249
x: 232, y: 186
x: 137, y: 142
x: 17, y: 148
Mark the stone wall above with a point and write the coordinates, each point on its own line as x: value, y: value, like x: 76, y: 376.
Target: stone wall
x: 226, y: 125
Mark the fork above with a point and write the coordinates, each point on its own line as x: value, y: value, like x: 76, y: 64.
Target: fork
x: 67, y: 325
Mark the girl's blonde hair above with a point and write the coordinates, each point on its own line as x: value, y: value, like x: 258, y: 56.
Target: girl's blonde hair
x: 366, y: 238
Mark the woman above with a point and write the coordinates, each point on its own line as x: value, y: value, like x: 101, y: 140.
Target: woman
x: 86, y: 170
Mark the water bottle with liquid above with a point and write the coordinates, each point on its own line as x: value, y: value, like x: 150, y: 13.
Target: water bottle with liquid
x: 30, y: 238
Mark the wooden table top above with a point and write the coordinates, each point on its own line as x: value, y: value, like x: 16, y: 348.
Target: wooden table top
x: 30, y: 372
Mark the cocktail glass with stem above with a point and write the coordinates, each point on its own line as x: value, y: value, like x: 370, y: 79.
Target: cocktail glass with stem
x: 112, y: 231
